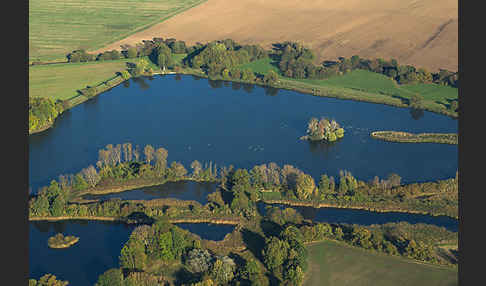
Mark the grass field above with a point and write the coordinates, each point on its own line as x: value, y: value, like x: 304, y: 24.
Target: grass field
x: 61, y: 81
x: 57, y: 27
x: 370, y: 82
x: 331, y: 263
x: 262, y: 66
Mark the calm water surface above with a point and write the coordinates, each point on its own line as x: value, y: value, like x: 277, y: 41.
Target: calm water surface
x: 363, y: 217
x: 98, y: 248
x: 183, y: 190
x: 243, y: 125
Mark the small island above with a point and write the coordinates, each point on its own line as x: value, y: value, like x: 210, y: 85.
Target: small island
x: 324, y: 129
x: 61, y: 241
x: 405, y: 137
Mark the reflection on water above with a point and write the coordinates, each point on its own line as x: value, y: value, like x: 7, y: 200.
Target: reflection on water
x: 235, y: 86
x: 271, y: 91
x: 416, y: 113
x: 215, y: 83
x: 248, y: 87
x: 141, y: 83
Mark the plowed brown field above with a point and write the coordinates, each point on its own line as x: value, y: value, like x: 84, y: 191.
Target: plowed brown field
x: 419, y: 32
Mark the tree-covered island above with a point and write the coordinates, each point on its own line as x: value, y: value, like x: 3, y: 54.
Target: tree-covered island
x: 324, y: 129
x: 61, y: 241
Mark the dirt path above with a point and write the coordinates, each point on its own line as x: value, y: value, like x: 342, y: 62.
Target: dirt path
x: 419, y: 32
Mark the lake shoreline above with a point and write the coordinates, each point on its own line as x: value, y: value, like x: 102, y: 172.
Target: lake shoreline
x: 370, y: 209
x: 406, y: 137
x: 286, y: 85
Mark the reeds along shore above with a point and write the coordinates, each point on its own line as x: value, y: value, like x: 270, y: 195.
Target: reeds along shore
x: 405, y: 137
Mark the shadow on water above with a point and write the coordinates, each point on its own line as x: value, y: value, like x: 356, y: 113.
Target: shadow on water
x: 236, y: 86
x: 416, y: 113
x: 254, y: 241
x: 140, y: 81
x: 271, y: 91
x: 322, y: 147
x: 215, y: 83
x: 248, y: 87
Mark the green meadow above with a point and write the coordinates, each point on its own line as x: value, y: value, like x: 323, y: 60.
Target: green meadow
x: 61, y: 81
x: 376, y: 85
x: 331, y: 263
x: 57, y: 27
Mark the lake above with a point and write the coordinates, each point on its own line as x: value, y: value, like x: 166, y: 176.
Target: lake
x: 183, y: 190
x: 98, y: 248
x: 239, y: 124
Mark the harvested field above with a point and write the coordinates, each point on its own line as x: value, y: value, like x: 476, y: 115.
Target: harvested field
x: 57, y: 27
x: 419, y: 32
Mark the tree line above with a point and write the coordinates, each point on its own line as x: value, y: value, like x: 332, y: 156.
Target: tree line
x: 43, y: 111
x: 241, y: 188
x: 296, y: 61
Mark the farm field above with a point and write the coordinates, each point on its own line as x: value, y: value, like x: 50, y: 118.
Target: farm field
x: 421, y: 33
x: 57, y: 27
x: 61, y: 81
x: 331, y: 263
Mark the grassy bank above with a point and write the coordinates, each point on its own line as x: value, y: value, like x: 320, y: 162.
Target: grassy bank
x: 333, y: 263
x: 57, y: 27
x: 405, y: 137
x: 361, y: 85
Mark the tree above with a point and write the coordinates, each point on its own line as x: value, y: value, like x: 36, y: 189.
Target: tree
x: 161, y: 158
x: 248, y: 75
x: 148, y: 151
x: 111, y: 277
x: 90, y: 175
x: 132, y: 255
x: 131, y: 52
x: 305, y: 186
x: 196, y: 168
x: 275, y: 252
x: 271, y: 77
x: 58, y: 206
x: 416, y: 101
x: 48, y: 280
x: 454, y: 105
x: 198, y: 260
x: 223, y: 270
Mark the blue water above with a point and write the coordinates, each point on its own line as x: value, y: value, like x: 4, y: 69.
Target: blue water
x: 242, y: 125
x: 183, y: 190
x: 363, y: 217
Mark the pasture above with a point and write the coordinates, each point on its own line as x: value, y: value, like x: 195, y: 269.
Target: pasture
x: 61, y: 81
x: 332, y: 263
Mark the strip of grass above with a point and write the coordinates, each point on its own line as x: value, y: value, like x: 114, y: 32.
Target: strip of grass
x: 61, y: 81
x: 331, y: 263
x: 56, y: 27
